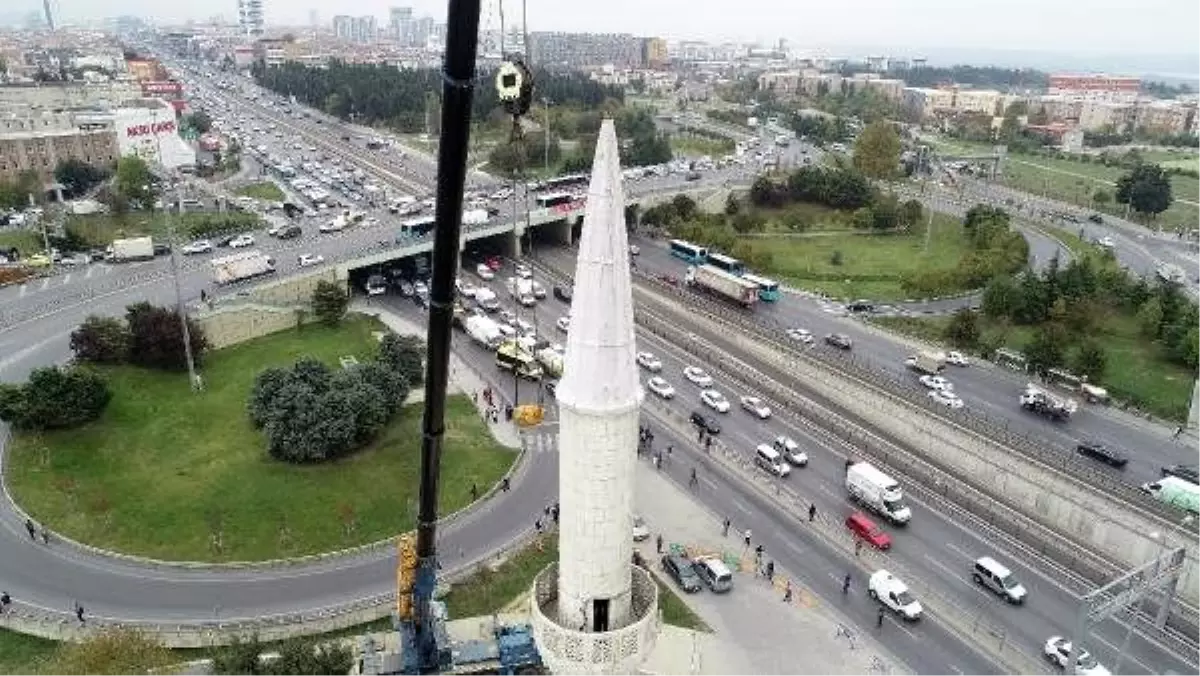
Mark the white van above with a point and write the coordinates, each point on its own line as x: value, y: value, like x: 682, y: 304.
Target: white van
x: 771, y: 461
x: 714, y: 573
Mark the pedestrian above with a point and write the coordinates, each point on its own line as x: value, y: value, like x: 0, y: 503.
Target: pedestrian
x: 537, y: 525
x: 203, y: 296
x: 658, y: 543
x: 747, y: 538
x: 758, y: 554
x: 846, y: 584
x: 79, y: 612
x: 770, y: 571
x: 879, y: 617
x: 504, y: 484
x: 669, y: 449
x: 725, y: 528
x: 812, y: 512
x: 1178, y: 431
x: 546, y: 510
x: 45, y: 535
x: 857, y: 546
x: 708, y: 445
x: 5, y: 603
x: 32, y: 529
x: 693, y: 482
x: 787, y: 592
x: 658, y: 460
x: 474, y: 492
x: 700, y: 434
x: 554, y: 512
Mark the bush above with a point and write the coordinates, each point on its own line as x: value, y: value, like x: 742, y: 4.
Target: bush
x: 835, y: 258
x: 156, y: 338
x: 329, y: 302
x: 302, y: 656
x: 312, y: 414
x: 54, y: 398
x: 405, y: 355
x: 101, y: 340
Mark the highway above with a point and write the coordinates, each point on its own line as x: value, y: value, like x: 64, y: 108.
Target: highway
x: 937, y: 547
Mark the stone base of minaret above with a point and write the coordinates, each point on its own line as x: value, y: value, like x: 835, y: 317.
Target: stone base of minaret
x: 620, y: 650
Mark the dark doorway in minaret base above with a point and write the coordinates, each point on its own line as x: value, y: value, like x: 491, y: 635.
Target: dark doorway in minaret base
x: 600, y: 615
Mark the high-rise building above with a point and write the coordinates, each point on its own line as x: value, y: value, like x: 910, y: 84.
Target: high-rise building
x: 357, y: 29
x: 49, y: 15
x: 250, y: 17
x: 400, y: 24
x: 594, y: 611
x: 586, y: 49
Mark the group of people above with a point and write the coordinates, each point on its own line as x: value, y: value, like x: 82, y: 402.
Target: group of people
x: 549, y: 514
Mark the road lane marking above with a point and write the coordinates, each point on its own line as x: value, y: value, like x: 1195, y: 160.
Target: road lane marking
x: 900, y: 625
x: 24, y: 289
x: 45, y: 283
x: 959, y: 550
x: 1126, y: 658
x: 741, y: 506
x: 67, y: 278
x: 90, y: 270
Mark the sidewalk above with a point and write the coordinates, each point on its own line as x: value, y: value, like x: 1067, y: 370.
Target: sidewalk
x: 463, y: 378
x: 753, y: 630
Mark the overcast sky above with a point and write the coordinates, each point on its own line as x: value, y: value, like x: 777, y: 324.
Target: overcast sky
x: 1142, y: 27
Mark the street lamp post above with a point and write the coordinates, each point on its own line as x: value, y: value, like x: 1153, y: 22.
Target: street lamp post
x: 546, y: 107
x: 180, y: 309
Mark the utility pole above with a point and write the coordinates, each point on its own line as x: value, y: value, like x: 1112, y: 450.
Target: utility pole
x: 180, y: 309
x: 546, y: 106
x: 45, y: 235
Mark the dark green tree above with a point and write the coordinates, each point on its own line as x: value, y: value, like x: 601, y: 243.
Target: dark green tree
x: 156, y: 337
x: 1146, y: 189
x: 135, y: 182
x: 77, y: 176
x: 963, y: 329
x: 54, y: 398
x: 731, y: 205
x: 405, y: 355
x: 1150, y: 318
x: 329, y: 302
x: 1047, y: 349
x: 1090, y: 360
x: 877, y: 151
x: 101, y: 340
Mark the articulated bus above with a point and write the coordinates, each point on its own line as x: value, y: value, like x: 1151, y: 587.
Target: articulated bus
x: 768, y: 289
x: 418, y: 227
x: 560, y: 182
x: 554, y: 199
x: 727, y: 263
x: 694, y: 255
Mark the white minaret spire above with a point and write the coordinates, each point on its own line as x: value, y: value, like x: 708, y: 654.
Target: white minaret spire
x: 598, y: 401
x: 593, y: 611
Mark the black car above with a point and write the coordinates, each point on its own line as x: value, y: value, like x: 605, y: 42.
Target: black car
x: 1186, y: 472
x: 679, y: 568
x: 1102, y: 453
x: 705, y: 423
x: 839, y: 340
x: 562, y: 293
x: 1096, y: 218
x: 290, y: 232
x: 861, y: 306
x: 162, y: 249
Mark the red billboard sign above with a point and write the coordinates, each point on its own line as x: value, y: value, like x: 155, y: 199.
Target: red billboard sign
x: 155, y: 128
x: 161, y: 87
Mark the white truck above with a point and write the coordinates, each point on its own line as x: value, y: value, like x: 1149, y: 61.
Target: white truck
x: 877, y: 492
x: 241, y: 266
x: 475, y: 217
x: 132, y: 249
x: 723, y: 284
x: 1176, y: 492
x: 928, y: 362
x: 521, y: 290
x: 1043, y: 402
x: 484, y: 331
x: 551, y: 360
x: 485, y: 298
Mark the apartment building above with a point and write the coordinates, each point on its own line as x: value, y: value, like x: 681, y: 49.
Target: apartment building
x: 57, y: 95
x: 810, y: 82
x: 621, y: 50
x: 1110, y: 88
x: 40, y: 142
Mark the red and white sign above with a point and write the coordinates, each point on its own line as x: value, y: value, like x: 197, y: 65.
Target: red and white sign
x: 154, y: 128
x: 162, y: 87
x: 1094, y: 83
x: 568, y: 207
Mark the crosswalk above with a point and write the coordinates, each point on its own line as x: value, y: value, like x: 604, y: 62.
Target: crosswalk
x: 541, y: 441
x: 63, y: 279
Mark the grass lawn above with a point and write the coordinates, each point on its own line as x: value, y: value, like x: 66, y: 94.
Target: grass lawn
x: 265, y: 190
x: 488, y: 591
x: 1136, y: 371
x: 21, y: 654
x: 164, y: 468
x: 26, y: 241
x: 872, y: 265
x: 695, y: 145
x: 814, y: 217
x: 102, y: 229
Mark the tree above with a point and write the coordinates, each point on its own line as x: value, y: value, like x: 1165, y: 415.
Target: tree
x: 135, y: 182
x: 963, y: 329
x: 1102, y: 197
x: 1146, y: 189
x: 1090, y: 359
x: 1150, y: 318
x: 877, y: 151
x: 111, y: 651
x: 200, y: 122
x: 731, y: 205
x: 302, y: 656
x: 911, y: 213
x: 101, y: 340
x: 329, y: 302
x: 1047, y: 348
x: 77, y: 176
x: 405, y: 355
x: 54, y: 398
x: 156, y: 338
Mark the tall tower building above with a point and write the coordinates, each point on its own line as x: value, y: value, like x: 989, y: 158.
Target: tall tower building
x: 594, y: 612
x: 250, y: 17
x: 49, y: 15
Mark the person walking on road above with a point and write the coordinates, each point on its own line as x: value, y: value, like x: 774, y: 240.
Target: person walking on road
x: 879, y: 617
x: 725, y: 528
x: 787, y: 592
x: 504, y: 484
x: 693, y: 482
x: 79, y: 612
x: 758, y: 554
x: 747, y: 538
x: 45, y: 535
x: 857, y: 546
x: 658, y: 543
x: 474, y: 492
x: 32, y: 529
x: 812, y: 512
x: 5, y: 603
x: 846, y: 584
x: 770, y: 571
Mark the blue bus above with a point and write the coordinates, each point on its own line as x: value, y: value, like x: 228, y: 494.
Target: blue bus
x: 727, y: 263
x: 768, y: 289
x: 693, y: 254
x: 415, y: 228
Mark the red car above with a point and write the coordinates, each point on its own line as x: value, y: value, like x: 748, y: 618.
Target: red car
x: 864, y: 528
x: 494, y: 263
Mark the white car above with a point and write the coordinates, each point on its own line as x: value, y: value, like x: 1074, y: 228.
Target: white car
x: 756, y: 406
x: 523, y: 271
x: 525, y: 327
x: 936, y: 383
x: 485, y: 273
x: 420, y: 288
x: 305, y: 260
x: 801, y: 336
x: 274, y: 230
x: 1058, y: 651
x: 335, y: 225
x: 715, y: 400
x: 660, y: 387
x: 791, y: 450
x: 1106, y: 242
x: 198, y: 247
x: 539, y: 291
x: 957, y: 359
x: 888, y: 590
x: 946, y: 398
x: 527, y: 300
x: 640, y: 530
x: 649, y: 362
x: 697, y: 376
x: 465, y: 289
x: 634, y: 250
x: 507, y: 330
x: 563, y: 324
x: 241, y: 241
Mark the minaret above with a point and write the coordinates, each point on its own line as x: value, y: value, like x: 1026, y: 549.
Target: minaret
x: 594, y: 611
